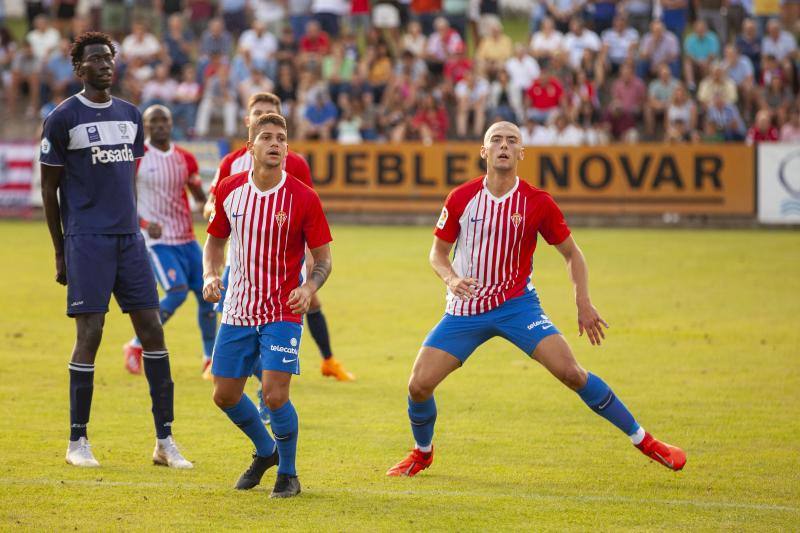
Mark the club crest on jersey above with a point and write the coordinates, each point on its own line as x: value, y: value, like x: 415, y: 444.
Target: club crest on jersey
x: 93, y: 133
x: 280, y: 218
x: 516, y: 218
x: 123, y: 130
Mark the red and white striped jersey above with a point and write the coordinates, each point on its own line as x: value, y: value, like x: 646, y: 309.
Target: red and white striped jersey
x: 495, y: 239
x: 161, y: 180
x: 268, y: 233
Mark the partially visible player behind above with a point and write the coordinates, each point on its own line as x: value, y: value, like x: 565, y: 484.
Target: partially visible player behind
x: 270, y: 218
x: 163, y: 175
x: 240, y: 160
x: 494, y: 220
x: 89, y: 146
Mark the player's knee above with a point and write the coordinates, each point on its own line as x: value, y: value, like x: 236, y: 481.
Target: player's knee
x: 151, y: 334
x: 90, y: 331
x: 574, y: 377
x: 275, y: 398
x: 419, y: 390
x: 225, y: 399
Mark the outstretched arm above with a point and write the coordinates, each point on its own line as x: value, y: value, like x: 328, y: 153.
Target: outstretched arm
x: 589, y: 320
x: 213, y: 261
x: 51, y: 179
x: 300, y: 298
x: 440, y: 261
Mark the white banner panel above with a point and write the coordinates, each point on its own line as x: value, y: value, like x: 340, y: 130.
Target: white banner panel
x: 779, y: 183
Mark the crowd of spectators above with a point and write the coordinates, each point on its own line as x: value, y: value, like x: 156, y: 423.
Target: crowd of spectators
x: 588, y: 72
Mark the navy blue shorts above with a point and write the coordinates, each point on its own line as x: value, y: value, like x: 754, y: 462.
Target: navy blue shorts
x: 99, y: 265
x: 238, y: 348
x: 178, y: 266
x: 520, y: 320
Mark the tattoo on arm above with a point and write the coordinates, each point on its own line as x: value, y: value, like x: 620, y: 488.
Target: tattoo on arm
x: 320, y: 272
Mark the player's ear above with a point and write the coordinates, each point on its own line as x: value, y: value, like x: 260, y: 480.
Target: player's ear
x: 522, y: 153
x: 483, y: 152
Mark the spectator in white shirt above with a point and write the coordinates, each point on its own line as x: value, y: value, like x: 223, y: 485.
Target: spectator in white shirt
x: 414, y: 40
x: 546, y: 41
x: 256, y: 82
x: 140, y: 44
x: 580, y: 40
x: 778, y: 43
x: 472, y: 93
x: 565, y: 133
x: 442, y: 43
x: 619, y: 42
x: 522, y: 68
x: 160, y: 89
x: 262, y: 46
x: 534, y: 134
x: 43, y: 38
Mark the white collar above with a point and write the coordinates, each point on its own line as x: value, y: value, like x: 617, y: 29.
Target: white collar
x: 159, y: 151
x: 88, y: 103
x: 506, y: 195
x: 258, y: 191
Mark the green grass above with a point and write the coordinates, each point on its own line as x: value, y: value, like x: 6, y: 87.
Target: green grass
x: 703, y: 347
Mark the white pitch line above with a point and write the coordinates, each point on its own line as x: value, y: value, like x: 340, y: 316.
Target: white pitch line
x: 400, y: 493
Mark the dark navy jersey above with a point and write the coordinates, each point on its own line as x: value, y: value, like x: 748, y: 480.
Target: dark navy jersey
x: 97, y: 144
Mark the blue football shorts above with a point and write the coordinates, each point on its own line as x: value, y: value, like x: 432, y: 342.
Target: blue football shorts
x: 238, y: 348
x: 520, y: 320
x: 178, y: 266
x: 101, y: 265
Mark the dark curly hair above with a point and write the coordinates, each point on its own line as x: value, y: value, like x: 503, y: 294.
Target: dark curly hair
x: 85, y: 39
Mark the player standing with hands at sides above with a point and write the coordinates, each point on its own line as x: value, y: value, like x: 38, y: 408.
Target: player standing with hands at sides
x: 294, y: 164
x: 494, y: 221
x: 270, y: 217
x: 89, y: 146
x: 163, y: 175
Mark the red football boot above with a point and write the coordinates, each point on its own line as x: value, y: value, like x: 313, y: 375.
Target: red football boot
x: 670, y: 456
x: 133, y: 358
x: 416, y: 462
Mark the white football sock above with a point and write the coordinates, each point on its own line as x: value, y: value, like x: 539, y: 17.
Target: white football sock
x: 637, y: 437
x: 424, y: 449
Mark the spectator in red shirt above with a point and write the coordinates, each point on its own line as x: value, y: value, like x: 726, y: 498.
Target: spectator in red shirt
x: 762, y: 130
x: 457, y: 66
x: 315, y: 42
x: 544, y: 97
x: 430, y: 120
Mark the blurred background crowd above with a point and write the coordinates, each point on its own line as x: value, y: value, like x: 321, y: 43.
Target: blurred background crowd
x: 570, y: 72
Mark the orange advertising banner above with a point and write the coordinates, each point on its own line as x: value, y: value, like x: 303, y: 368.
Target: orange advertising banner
x: 618, y: 179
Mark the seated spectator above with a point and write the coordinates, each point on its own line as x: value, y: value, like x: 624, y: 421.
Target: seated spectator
x: 338, y: 69
x: 43, y: 38
x: 412, y: 66
x: 639, y: 14
x: 200, y: 11
x: 628, y: 95
x: 522, y: 69
x: 456, y: 67
x: 216, y: 40
x: 472, y: 95
x: 505, y: 99
x: 579, y: 41
x: 288, y: 47
x: 315, y: 43
x: 262, y: 46
x: 674, y: 15
x: 763, y: 130
x: 443, y: 43
x: 717, y: 83
x: 712, y: 13
x: 546, y: 41
x: 348, y: 129
x: 286, y: 90
x: 219, y: 96
x: 712, y: 133
x: 413, y: 39
x: 583, y: 94
x: 790, y: 131
x: 160, y: 89
x: 560, y: 69
x: 234, y: 15
x: 366, y: 109
x: 256, y: 82
x: 681, y: 109
x: 678, y: 133
x: 319, y: 118
x: 778, y: 43
x: 58, y: 74
x: 535, y: 134
x: 184, y: 106
x: 430, y: 120
x: 394, y: 122
x: 25, y: 69
x: 564, y: 132
x: 563, y: 11
x: 771, y: 68
x: 659, y: 96
x: 137, y: 73
x: 727, y: 119
x: 494, y: 48
x: 700, y: 49
x: 749, y: 44
x: 777, y: 97
x: 179, y: 44
x: 270, y: 13
x: 740, y: 70
x: 603, y: 14
x: 140, y: 44
x: 619, y: 42
x: 379, y: 71
x: 659, y: 46
x: 544, y: 97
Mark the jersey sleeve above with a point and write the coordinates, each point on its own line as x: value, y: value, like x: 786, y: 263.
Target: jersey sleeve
x: 138, y: 142
x: 218, y: 224
x: 448, y: 226
x: 553, y: 226
x: 297, y: 166
x: 55, y: 140
x: 315, y: 226
x: 223, y: 171
x: 193, y: 177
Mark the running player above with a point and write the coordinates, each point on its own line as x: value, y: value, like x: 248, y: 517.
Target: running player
x: 270, y: 218
x: 493, y: 221
x: 239, y: 161
x: 89, y: 146
x: 163, y: 175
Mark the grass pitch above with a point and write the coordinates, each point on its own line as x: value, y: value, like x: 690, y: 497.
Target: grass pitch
x: 704, y: 348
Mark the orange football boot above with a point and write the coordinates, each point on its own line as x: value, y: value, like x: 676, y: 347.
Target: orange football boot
x: 332, y: 367
x: 133, y: 358
x: 670, y: 456
x: 416, y: 462
x: 207, y: 370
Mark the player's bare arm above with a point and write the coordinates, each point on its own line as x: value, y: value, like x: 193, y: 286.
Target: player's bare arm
x: 196, y: 190
x: 51, y: 179
x: 440, y: 261
x: 300, y: 298
x: 589, y: 320
x: 213, y: 262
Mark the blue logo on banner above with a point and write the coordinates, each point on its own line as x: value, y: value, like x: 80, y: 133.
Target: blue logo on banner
x: 94, y: 134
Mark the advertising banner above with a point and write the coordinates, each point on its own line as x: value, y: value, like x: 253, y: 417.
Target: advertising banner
x: 779, y: 183
x: 16, y: 174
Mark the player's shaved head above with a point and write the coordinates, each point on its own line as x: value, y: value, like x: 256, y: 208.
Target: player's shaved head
x: 156, y: 109
x: 504, y: 127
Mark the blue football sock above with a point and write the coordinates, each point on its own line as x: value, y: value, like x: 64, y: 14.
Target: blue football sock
x: 284, y: 426
x: 162, y: 390
x: 245, y: 415
x: 207, y: 320
x: 423, y: 417
x: 81, y: 387
x: 602, y: 400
